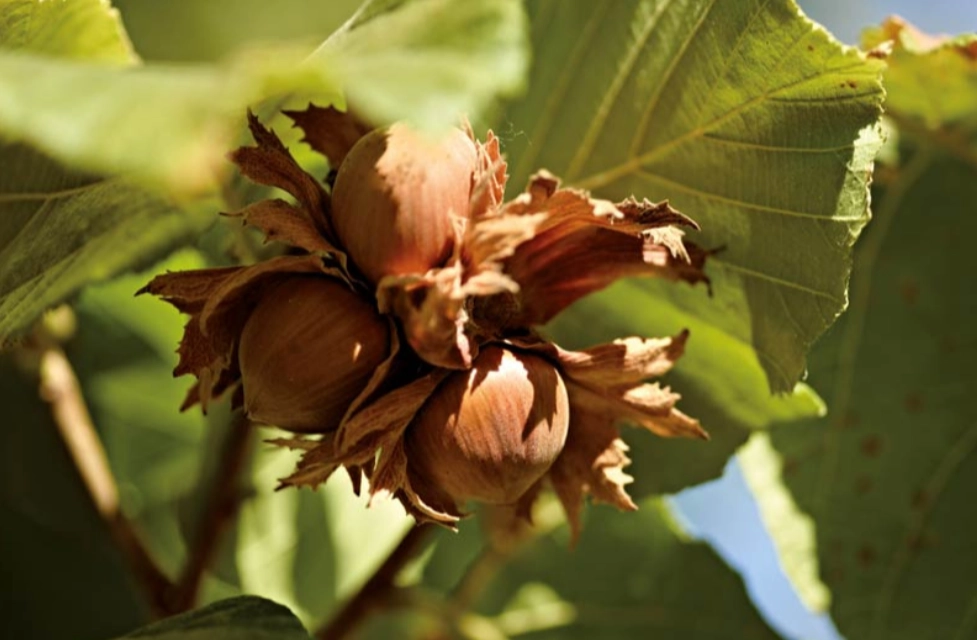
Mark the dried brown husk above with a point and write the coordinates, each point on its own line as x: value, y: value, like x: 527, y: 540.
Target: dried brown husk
x: 512, y: 266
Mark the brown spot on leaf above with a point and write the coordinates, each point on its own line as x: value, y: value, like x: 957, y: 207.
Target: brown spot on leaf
x: 920, y: 499
x: 909, y: 291
x: 810, y: 47
x: 913, y: 402
x: 849, y: 420
x: 871, y: 446
x: 863, y: 484
x: 922, y: 541
x: 866, y: 556
x: 852, y: 84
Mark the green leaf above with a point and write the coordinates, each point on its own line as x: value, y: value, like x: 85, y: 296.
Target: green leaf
x: 310, y: 550
x: 60, y: 229
x: 429, y: 60
x: 65, y: 29
x: 631, y: 575
x: 244, y: 618
x: 889, y: 476
x: 165, y: 125
x: 747, y: 116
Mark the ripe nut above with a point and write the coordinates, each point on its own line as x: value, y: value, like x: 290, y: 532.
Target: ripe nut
x: 489, y: 433
x: 307, y: 350
x: 394, y: 196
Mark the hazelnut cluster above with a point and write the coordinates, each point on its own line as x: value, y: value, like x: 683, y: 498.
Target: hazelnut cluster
x: 394, y: 336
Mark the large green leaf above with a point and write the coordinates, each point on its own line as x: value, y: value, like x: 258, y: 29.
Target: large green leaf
x: 630, y: 576
x: 61, y: 229
x: 422, y: 62
x: 754, y: 131
x: 889, y: 477
x: 244, y: 618
x: 748, y: 117
x: 65, y: 29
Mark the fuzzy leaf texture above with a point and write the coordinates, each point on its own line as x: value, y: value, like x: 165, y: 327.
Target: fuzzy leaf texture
x: 888, y: 477
x: 61, y: 229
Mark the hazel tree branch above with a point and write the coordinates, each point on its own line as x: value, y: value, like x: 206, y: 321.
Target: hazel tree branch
x: 221, y: 509
x: 60, y: 389
x: 377, y: 592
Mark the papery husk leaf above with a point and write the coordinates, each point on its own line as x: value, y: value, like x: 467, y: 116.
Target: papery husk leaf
x: 585, y: 244
x: 423, y: 503
x: 624, y: 361
x: 315, y: 466
x: 490, y: 175
x: 329, y: 131
x: 270, y: 163
x: 381, y: 423
x: 432, y: 311
x: 283, y: 222
x: 609, y: 379
x: 188, y: 291
x: 592, y: 463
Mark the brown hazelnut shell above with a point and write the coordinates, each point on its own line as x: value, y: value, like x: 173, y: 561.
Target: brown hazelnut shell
x: 307, y: 350
x: 490, y: 433
x: 394, y: 197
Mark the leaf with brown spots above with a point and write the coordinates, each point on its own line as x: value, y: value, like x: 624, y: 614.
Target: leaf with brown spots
x: 891, y: 470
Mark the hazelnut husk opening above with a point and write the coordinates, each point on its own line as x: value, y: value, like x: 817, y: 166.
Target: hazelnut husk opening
x: 307, y: 350
x: 490, y: 433
x: 395, y: 195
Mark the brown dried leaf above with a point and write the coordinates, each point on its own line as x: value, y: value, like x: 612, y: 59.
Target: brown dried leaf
x: 432, y: 311
x: 283, y: 222
x: 647, y: 405
x: 381, y: 423
x: 490, y: 175
x: 624, y: 361
x: 423, y: 503
x: 270, y: 163
x: 329, y: 131
x: 592, y: 462
x: 188, y: 290
x: 585, y: 244
x: 315, y: 466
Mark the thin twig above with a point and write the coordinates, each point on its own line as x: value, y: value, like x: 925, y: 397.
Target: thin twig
x: 376, y: 592
x: 60, y: 388
x: 220, y: 511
